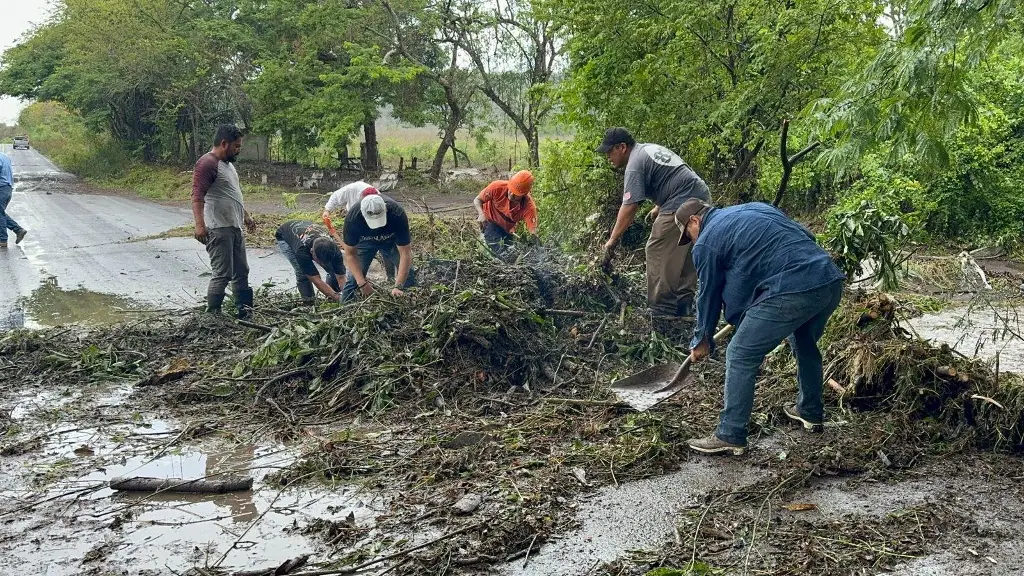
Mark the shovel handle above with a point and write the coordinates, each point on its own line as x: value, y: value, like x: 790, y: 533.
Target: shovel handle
x: 685, y: 366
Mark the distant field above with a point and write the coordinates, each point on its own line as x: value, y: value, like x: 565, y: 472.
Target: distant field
x: 495, y: 149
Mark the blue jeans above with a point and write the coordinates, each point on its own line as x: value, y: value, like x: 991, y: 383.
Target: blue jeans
x: 365, y: 254
x: 6, y: 222
x: 305, y: 286
x: 800, y: 318
x: 496, y: 237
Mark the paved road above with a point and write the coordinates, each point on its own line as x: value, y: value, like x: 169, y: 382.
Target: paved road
x: 83, y: 244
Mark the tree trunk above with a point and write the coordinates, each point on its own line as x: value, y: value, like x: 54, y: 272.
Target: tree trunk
x: 371, y: 160
x: 442, y: 149
x: 533, y: 139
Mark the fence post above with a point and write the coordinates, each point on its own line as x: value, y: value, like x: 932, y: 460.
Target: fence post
x: 401, y: 163
x: 414, y: 161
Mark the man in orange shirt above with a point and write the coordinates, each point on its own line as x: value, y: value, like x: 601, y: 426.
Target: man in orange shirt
x: 502, y: 205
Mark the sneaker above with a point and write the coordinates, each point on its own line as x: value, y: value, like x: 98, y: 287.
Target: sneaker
x: 715, y: 445
x: 3, y: 244
x: 794, y: 414
x: 20, y: 235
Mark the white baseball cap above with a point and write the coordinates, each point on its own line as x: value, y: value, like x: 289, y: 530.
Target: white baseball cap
x: 374, y: 210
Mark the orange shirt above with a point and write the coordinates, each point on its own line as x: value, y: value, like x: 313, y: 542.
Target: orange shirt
x: 497, y: 208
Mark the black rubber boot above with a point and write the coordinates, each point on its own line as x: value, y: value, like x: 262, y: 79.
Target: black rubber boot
x: 214, y: 303
x: 244, y: 301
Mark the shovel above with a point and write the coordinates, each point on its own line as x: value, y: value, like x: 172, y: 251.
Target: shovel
x: 645, y: 389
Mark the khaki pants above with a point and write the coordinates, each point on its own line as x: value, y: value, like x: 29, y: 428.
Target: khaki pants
x: 671, y: 276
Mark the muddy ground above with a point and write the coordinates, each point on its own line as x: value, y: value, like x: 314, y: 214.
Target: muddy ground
x: 479, y: 435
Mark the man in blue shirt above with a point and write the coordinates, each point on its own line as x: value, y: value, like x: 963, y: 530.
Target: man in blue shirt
x: 774, y: 283
x: 6, y: 192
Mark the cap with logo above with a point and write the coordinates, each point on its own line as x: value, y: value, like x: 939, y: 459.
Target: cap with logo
x: 613, y: 137
x: 375, y: 210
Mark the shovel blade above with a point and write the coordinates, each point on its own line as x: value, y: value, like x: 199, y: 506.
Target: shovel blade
x: 645, y: 389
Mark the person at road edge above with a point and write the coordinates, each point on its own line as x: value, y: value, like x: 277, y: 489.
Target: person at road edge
x: 6, y: 193
x: 502, y: 205
x: 379, y: 226
x: 655, y: 173
x: 219, y: 212
x: 775, y: 283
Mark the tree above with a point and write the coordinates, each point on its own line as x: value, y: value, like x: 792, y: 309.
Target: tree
x: 516, y: 48
x: 711, y: 80
x: 419, y: 42
x: 912, y: 95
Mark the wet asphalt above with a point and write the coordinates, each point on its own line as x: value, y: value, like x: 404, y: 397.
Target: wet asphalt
x: 90, y: 243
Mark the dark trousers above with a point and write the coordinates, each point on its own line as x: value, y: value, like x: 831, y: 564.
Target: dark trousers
x: 496, y: 237
x: 306, y: 289
x: 800, y: 318
x: 365, y: 254
x: 226, y: 248
x: 6, y: 222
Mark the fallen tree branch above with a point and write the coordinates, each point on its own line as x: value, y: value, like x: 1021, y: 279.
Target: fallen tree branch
x: 145, y: 484
x: 286, y: 568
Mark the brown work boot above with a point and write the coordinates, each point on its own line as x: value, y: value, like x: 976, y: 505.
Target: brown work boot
x: 20, y: 235
x: 3, y: 244
x: 794, y: 414
x: 715, y: 445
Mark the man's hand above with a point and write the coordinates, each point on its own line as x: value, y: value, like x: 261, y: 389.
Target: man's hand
x: 326, y: 215
x: 397, y: 292
x: 609, y: 245
x: 481, y: 218
x: 366, y: 289
x: 250, y: 224
x: 201, y: 233
x: 652, y: 215
x: 700, y: 352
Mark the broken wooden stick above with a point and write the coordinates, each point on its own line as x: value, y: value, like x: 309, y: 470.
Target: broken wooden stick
x: 212, y: 486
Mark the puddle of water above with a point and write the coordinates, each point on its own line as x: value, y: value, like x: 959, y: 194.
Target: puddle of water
x: 172, y: 531
x: 50, y: 305
x: 633, y: 516
x: 977, y: 333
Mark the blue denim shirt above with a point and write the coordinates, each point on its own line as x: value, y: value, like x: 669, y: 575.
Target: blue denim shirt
x: 6, y: 175
x: 745, y: 254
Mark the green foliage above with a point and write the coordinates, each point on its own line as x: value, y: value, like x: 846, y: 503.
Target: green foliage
x: 572, y: 185
x: 913, y: 92
x: 865, y: 232
x: 66, y: 139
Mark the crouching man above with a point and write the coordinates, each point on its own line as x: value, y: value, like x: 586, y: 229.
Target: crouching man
x: 775, y: 283
x: 380, y: 225
x: 307, y: 245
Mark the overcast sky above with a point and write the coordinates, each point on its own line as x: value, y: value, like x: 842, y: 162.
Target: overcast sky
x: 16, y: 18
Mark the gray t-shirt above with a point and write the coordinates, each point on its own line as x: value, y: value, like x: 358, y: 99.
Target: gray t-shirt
x: 660, y: 175
x: 215, y: 182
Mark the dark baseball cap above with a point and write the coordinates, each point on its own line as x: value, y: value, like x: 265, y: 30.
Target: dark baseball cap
x: 614, y: 137
x: 692, y: 207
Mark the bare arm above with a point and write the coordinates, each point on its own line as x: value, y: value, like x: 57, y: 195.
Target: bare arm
x: 627, y: 212
x: 479, y: 205
x: 197, y: 214
x: 404, y: 265
x: 324, y: 288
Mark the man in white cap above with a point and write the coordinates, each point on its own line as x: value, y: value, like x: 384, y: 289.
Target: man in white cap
x: 379, y: 226
x: 344, y: 200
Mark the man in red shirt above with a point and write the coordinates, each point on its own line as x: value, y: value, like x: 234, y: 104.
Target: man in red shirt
x: 503, y: 205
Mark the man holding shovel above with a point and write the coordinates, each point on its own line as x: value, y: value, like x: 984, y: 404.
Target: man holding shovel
x: 775, y: 283
x: 655, y: 173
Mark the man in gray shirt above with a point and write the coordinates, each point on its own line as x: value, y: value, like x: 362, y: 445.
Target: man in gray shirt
x: 220, y: 213
x: 655, y: 173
